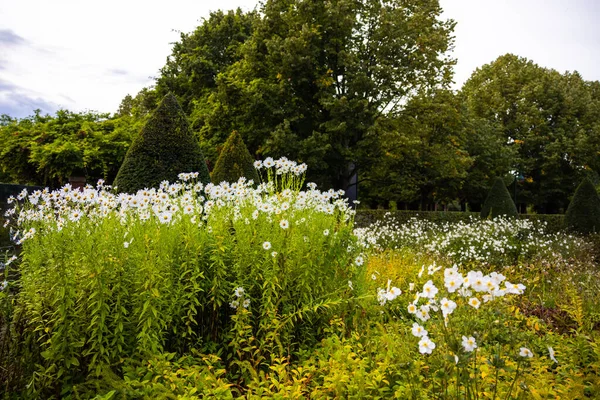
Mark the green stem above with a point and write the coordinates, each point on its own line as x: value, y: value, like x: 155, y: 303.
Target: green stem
x: 496, y: 384
x: 513, y: 382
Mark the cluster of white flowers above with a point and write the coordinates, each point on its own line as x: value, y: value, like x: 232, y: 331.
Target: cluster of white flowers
x: 282, y: 166
x: 473, y: 241
x: 172, y: 202
x: 239, y: 294
x: 461, y: 287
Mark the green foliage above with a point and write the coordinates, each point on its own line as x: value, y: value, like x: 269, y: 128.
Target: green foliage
x: 47, y: 150
x: 222, y: 275
x: 198, y: 58
x: 164, y: 148
x: 498, y: 202
x: 313, y: 79
x: 422, y: 157
x: 234, y: 161
x: 535, y: 121
x: 583, y: 214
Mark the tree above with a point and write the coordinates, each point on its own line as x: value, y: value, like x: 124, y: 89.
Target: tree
x: 534, y: 122
x: 316, y: 77
x: 164, y: 148
x: 199, y: 57
x: 47, y: 150
x: 583, y: 214
x: 234, y: 161
x: 423, y: 158
x: 498, y: 202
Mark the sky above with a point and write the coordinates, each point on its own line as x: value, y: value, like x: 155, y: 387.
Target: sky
x: 83, y: 55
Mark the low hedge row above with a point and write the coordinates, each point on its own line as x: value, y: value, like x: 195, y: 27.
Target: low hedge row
x: 555, y: 222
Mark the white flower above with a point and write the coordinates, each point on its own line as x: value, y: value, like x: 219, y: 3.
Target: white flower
x: 284, y: 224
x: 452, y: 283
x: 350, y: 285
x: 412, y: 308
x: 326, y: 232
x: 418, y: 330
x: 266, y: 245
x: 426, y: 346
x: 246, y: 303
x: 258, y: 164
x: 239, y: 291
x: 469, y: 343
x: 359, y: 260
x: 75, y: 215
x: 268, y: 163
x: 373, y: 276
x: 514, y: 288
x: 429, y: 290
x: 274, y: 254
x: 474, y: 302
x: 448, y: 306
x: 3, y: 285
x: 551, y: 353
x: 525, y: 352
x: 234, y: 304
x: 165, y: 217
x: 423, y: 313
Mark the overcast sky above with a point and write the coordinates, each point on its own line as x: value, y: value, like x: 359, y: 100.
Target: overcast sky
x: 84, y: 55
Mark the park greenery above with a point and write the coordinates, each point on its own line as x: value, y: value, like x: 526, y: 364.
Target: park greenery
x: 167, y: 281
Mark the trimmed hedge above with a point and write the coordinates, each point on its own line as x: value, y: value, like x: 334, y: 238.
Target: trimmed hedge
x: 498, y: 202
x: 234, y: 161
x: 554, y: 222
x: 164, y: 148
x: 367, y: 217
x: 583, y: 214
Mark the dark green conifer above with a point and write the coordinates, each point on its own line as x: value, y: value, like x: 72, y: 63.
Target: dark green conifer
x: 164, y: 148
x: 583, y: 214
x: 234, y: 161
x: 498, y: 202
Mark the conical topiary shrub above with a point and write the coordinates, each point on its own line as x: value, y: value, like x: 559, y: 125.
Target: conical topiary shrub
x: 234, y: 161
x: 583, y: 214
x: 498, y: 202
x: 164, y: 148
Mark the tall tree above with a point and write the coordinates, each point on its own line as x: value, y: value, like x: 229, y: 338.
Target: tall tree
x: 316, y: 76
x: 423, y: 159
x: 545, y: 117
x: 198, y: 57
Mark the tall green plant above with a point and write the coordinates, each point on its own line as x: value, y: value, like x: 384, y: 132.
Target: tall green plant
x: 498, y: 202
x: 583, y: 214
x: 165, y: 148
x: 234, y: 161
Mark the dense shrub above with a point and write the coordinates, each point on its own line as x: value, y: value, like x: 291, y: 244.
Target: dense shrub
x: 234, y: 161
x: 164, y: 148
x: 498, y: 202
x: 583, y: 214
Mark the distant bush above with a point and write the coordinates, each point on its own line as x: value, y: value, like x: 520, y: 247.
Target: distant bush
x: 165, y: 148
x: 498, y: 202
x: 234, y: 161
x: 583, y: 214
